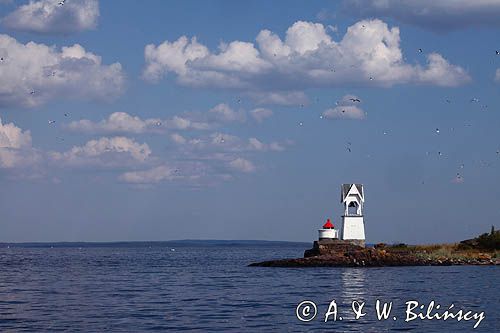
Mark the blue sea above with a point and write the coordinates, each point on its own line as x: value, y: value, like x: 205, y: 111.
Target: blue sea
x: 207, y: 287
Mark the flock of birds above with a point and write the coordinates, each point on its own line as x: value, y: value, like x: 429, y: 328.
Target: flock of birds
x: 353, y: 100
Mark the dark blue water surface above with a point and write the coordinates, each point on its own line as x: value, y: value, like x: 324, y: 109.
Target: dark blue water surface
x: 201, y: 287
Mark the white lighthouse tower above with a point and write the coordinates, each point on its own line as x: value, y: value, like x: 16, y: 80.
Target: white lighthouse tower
x: 353, y: 226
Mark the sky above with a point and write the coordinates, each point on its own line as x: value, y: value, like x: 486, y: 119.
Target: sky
x: 165, y: 120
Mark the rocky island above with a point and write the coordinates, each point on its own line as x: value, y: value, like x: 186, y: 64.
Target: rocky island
x: 345, y: 247
x: 482, y: 250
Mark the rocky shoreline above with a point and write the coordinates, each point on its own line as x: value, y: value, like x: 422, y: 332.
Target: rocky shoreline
x: 344, y: 254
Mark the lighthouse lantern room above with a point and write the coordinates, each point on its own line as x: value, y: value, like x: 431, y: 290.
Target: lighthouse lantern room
x: 328, y: 231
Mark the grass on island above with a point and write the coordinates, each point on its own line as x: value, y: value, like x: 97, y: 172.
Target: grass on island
x: 485, y: 246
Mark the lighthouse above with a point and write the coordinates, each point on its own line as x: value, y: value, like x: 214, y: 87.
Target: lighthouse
x: 353, y: 227
x: 328, y: 231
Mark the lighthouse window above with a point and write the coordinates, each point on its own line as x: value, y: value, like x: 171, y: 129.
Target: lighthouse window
x: 352, y: 208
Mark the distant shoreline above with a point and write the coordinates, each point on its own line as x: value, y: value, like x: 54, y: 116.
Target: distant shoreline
x: 180, y: 242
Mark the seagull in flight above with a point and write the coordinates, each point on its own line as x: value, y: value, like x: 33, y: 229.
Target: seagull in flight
x: 420, y: 51
x: 497, y: 52
x: 474, y: 100
x: 61, y: 3
x: 52, y: 122
x: 66, y: 115
x: 355, y: 100
x: 32, y: 92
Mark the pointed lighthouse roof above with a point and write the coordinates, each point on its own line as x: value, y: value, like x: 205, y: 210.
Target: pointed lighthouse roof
x: 347, y: 189
x: 328, y: 225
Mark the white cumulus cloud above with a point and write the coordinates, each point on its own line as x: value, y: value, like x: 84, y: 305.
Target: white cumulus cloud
x: 225, y: 113
x: 117, y: 122
x: 122, y: 122
x: 32, y: 74
x: 274, y: 69
x: 223, y: 142
x: 150, y: 176
x: 260, y: 114
x: 53, y: 17
x: 242, y: 165
x: 16, y: 148
x: 347, y: 108
x: 104, y: 152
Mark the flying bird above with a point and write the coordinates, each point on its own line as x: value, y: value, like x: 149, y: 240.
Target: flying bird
x: 355, y: 100
x: 52, y: 122
x: 497, y: 52
x: 437, y: 130
x: 66, y: 114
x: 474, y: 100
x: 32, y: 92
x: 420, y: 51
x: 61, y: 3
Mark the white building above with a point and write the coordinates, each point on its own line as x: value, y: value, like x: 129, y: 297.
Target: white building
x: 328, y: 231
x: 353, y: 227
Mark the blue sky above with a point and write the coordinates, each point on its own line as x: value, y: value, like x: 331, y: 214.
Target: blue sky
x: 140, y: 132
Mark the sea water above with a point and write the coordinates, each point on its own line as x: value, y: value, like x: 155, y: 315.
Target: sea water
x: 207, y: 286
